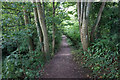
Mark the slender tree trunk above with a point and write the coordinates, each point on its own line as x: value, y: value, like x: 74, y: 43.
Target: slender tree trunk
x: 53, y: 28
x: 84, y: 29
x: 30, y: 41
x: 81, y: 19
x: 39, y: 32
x: 79, y: 14
x: 97, y: 22
x: 43, y: 27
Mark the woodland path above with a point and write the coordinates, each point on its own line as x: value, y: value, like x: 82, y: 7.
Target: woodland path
x: 62, y: 64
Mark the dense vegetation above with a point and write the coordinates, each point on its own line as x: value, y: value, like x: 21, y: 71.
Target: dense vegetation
x: 23, y: 53
x: 31, y: 34
x: 102, y: 54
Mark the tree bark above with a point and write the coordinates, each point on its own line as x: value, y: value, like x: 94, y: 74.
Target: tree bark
x: 53, y: 28
x: 39, y: 32
x: 79, y: 14
x: 84, y: 28
x: 81, y: 19
x: 43, y: 27
x: 30, y: 40
x: 97, y: 22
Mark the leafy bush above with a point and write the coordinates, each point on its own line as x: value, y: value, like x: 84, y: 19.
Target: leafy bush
x: 101, y: 58
x: 23, y: 66
x: 72, y: 32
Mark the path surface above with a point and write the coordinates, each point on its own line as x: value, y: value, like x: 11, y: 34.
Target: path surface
x: 63, y: 66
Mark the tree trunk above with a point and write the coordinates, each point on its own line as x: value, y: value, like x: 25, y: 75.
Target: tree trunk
x: 84, y: 34
x: 84, y: 29
x: 30, y: 41
x: 97, y: 22
x: 39, y: 32
x: 79, y: 15
x: 53, y: 28
x: 81, y: 19
x: 43, y: 27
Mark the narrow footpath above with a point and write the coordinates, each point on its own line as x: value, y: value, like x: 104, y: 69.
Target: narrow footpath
x: 62, y: 64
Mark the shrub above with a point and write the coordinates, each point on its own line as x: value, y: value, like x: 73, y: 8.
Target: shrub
x: 101, y: 58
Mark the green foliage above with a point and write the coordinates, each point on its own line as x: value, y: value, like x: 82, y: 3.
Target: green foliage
x: 23, y: 66
x: 18, y: 61
x: 72, y: 32
x: 101, y: 58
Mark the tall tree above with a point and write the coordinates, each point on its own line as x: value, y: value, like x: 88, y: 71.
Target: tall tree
x: 43, y: 27
x: 53, y: 28
x: 81, y: 18
x: 39, y: 31
x: 30, y: 40
x: 93, y: 31
x: 84, y: 24
x: 79, y: 14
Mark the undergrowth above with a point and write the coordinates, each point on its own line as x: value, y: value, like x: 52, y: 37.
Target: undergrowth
x: 101, y: 58
x: 23, y: 66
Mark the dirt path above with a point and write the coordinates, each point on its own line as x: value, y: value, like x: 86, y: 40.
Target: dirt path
x: 63, y: 66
